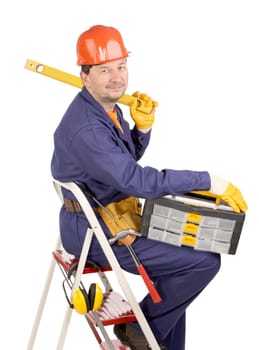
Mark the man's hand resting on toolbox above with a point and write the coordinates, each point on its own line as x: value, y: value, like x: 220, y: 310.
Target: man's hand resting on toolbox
x: 143, y: 121
x: 228, y: 193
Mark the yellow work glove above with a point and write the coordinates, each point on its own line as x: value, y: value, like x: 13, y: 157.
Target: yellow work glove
x: 228, y: 193
x: 144, y: 116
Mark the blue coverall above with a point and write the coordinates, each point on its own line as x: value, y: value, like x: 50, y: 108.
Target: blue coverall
x: 89, y: 149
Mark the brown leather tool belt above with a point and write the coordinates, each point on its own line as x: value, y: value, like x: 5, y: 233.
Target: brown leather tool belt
x: 117, y: 216
x: 72, y: 206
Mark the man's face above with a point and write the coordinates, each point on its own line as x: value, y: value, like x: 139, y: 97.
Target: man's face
x: 107, y: 82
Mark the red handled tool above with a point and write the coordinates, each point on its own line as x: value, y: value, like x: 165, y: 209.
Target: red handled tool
x: 142, y: 271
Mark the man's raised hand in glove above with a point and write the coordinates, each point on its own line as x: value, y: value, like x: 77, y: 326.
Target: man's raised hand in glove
x: 228, y: 193
x: 143, y: 120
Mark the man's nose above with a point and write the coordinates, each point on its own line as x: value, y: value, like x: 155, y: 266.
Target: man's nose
x: 115, y: 74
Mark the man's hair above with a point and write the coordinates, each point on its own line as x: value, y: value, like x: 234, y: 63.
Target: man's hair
x: 86, y: 68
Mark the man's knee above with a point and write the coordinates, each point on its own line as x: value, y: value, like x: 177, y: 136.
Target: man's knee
x: 211, y: 264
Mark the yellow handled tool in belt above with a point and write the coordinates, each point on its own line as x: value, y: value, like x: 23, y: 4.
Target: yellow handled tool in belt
x: 75, y: 81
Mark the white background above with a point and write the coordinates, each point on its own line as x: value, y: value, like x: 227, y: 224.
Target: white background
x: 199, y: 60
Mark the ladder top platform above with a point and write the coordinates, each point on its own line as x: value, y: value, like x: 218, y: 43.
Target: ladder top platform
x: 67, y: 261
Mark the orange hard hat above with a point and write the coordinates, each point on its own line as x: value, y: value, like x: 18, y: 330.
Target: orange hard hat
x: 100, y: 44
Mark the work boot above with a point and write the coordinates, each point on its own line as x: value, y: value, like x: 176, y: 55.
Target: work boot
x: 131, y: 337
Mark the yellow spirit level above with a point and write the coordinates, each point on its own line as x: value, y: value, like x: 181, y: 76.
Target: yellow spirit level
x: 75, y: 81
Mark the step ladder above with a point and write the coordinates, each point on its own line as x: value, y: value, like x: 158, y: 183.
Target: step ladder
x: 115, y: 308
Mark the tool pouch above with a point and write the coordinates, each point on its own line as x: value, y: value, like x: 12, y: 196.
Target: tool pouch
x: 121, y: 216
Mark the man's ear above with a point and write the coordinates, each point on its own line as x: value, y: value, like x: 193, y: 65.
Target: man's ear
x: 84, y: 77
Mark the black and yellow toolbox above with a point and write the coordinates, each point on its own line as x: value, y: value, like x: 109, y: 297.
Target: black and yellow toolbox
x: 194, y: 219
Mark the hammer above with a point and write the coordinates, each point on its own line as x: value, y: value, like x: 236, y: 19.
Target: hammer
x: 142, y: 271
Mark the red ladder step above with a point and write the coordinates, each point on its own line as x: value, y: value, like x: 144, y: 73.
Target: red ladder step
x: 67, y: 261
x: 117, y: 345
x: 114, y: 310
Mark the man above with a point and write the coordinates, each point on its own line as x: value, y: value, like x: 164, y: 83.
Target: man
x: 95, y: 147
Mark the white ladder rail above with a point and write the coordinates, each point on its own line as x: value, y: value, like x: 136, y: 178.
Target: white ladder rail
x: 107, y: 250
x: 43, y: 299
x: 78, y: 276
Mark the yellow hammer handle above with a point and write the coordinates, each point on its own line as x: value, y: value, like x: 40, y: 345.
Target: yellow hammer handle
x: 75, y: 81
